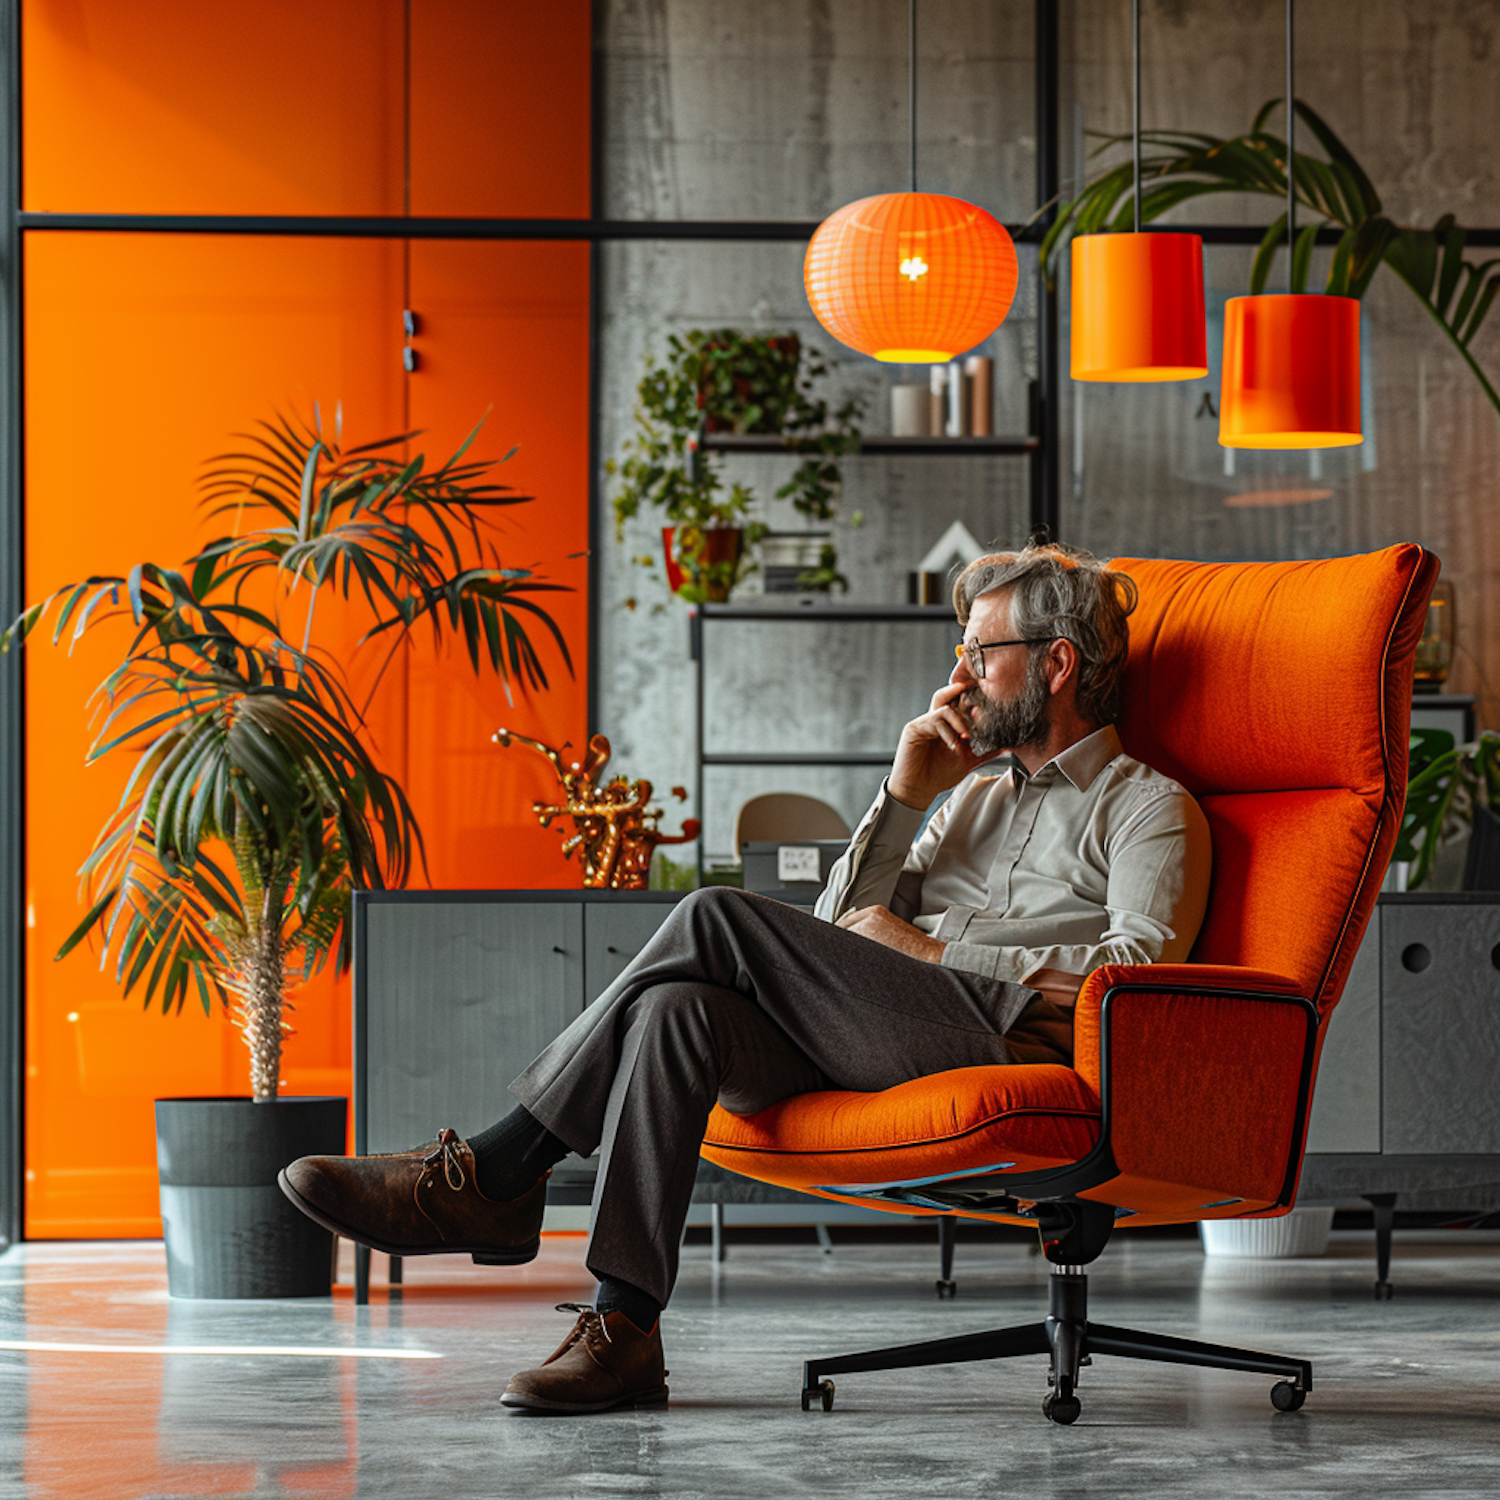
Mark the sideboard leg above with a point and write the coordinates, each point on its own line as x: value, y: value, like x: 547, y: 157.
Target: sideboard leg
x: 1384, y: 1206
x: 361, y: 1275
x: 716, y: 1230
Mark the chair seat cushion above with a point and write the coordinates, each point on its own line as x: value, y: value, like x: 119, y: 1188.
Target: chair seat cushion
x: 965, y: 1120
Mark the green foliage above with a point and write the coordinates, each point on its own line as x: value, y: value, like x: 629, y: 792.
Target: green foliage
x: 1446, y: 781
x: 1178, y: 166
x: 253, y: 807
x: 725, y: 381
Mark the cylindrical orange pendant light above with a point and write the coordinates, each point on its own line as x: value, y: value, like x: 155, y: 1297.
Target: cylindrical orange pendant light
x: 1138, y: 298
x: 1138, y: 307
x: 1291, y: 373
x: 912, y: 278
x: 1291, y: 363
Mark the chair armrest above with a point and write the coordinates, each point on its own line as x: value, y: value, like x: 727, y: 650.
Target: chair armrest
x: 1204, y: 1073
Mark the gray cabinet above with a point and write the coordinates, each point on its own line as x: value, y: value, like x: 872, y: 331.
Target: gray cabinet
x: 1347, y: 1101
x: 613, y: 935
x: 1406, y: 1105
x: 1440, y: 992
x: 457, y: 997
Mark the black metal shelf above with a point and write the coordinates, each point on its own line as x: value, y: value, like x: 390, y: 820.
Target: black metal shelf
x: 878, y: 446
x: 825, y: 612
x: 810, y: 758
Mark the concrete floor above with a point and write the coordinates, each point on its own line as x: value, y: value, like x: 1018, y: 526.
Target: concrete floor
x: 1405, y: 1399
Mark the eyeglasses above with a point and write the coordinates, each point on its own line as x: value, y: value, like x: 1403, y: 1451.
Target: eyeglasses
x: 972, y: 652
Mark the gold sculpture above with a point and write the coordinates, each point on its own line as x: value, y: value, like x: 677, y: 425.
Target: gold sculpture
x: 614, y: 824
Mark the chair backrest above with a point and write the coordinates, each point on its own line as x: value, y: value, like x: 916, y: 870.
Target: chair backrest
x: 787, y: 816
x: 1279, y: 694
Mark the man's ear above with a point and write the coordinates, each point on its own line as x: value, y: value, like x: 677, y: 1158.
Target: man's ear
x: 1062, y: 665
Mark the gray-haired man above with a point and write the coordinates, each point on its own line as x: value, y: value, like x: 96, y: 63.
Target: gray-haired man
x: 951, y: 945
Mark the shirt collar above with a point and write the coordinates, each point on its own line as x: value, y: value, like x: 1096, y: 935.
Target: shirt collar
x: 1083, y: 760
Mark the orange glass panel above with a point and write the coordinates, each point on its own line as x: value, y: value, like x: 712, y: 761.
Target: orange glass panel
x: 500, y: 109
x: 1291, y: 373
x: 174, y: 106
x: 144, y: 354
x: 504, y: 329
x: 1138, y: 307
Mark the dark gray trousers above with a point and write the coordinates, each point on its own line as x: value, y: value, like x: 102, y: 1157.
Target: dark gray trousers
x: 743, y: 1000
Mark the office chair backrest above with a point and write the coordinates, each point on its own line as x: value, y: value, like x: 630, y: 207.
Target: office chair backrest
x: 1279, y: 694
x: 785, y: 817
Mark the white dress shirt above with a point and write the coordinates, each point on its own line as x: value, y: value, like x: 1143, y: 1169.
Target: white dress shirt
x: 1096, y: 859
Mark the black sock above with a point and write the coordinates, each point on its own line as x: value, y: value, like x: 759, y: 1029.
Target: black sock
x: 620, y: 1296
x: 512, y: 1154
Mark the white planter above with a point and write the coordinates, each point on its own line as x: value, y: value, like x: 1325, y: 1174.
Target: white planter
x: 1302, y: 1232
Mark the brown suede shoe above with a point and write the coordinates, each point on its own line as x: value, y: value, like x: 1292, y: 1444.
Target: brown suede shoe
x: 422, y: 1202
x: 605, y: 1362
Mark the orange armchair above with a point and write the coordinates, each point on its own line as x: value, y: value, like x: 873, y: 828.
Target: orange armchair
x: 1279, y: 694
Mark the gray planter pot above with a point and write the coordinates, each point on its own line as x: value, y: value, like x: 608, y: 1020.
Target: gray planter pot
x: 229, y: 1229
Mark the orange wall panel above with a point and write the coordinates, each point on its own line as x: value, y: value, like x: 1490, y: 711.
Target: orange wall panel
x: 144, y: 354
x: 505, y: 329
x: 500, y: 109
x: 234, y: 107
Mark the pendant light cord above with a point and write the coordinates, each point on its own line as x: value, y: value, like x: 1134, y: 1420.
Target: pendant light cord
x: 1135, y: 128
x: 911, y: 84
x: 1291, y: 139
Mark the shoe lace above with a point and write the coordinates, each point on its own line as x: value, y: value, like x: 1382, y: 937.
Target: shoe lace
x: 590, y: 1322
x: 449, y: 1154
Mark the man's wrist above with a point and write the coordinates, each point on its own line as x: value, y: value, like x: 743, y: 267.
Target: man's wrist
x: 905, y: 796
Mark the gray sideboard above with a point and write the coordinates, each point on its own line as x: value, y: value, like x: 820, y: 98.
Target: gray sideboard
x: 1407, y: 1108
x: 456, y: 991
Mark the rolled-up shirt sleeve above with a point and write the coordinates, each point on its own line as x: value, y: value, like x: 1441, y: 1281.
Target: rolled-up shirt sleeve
x: 1157, y: 892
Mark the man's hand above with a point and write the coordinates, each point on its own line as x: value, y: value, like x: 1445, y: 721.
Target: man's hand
x: 885, y: 927
x: 934, y: 751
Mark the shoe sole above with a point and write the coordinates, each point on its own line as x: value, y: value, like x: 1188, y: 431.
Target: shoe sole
x: 483, y: 1255
x: 520, y: 1401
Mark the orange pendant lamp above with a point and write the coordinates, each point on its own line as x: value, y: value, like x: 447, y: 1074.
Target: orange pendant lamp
x: 911, y: 278
x: 1291, y: 363
x: 1138, y: 298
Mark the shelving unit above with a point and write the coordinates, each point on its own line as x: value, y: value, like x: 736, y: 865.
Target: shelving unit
x: 882, y: 446
x: 819, y: 613
x: 1029, y: 446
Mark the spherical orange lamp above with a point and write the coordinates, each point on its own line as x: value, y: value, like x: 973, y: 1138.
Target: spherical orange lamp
x: 1138, y: 307
x: 910, y: 278
x: 1291, y: 372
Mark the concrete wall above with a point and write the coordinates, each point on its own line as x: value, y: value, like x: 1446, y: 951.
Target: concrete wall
x: 787, y: 110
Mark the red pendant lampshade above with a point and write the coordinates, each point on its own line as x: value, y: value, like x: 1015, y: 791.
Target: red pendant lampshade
x: 1138, y: 307
x: 1291, y: 373
x: 910, y: 278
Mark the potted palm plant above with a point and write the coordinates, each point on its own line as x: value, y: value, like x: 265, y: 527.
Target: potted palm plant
x: 255, y: 806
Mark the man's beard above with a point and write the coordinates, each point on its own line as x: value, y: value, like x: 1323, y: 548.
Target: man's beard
x: 1014, y: 724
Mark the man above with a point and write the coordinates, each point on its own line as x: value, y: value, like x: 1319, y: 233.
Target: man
x: 954, y: 945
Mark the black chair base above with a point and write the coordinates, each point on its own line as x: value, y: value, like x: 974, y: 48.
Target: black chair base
x: 1068, y: 1339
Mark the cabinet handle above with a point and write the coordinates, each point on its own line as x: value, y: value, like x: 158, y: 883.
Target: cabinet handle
x: 612, y: 949
x: 562, y: 951
x: 1415, y: 957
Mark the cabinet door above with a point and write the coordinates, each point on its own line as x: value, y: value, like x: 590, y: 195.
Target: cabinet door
x: 459, y: 997
x: 1346, y: 1100
x: 613, y: 935
x: 1440, y: 991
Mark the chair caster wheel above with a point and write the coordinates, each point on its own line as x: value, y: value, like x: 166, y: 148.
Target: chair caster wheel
x: 947, y: 1289
x: 1287, y: 1397
x: 1383, y: 1291
x: 824, y: 1390
x: 1062, y: 1409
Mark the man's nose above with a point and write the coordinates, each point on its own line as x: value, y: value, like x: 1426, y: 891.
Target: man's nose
x: 961, y: 672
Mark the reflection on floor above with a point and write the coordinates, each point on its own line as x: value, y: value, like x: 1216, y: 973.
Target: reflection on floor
x: 247, y: 1403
